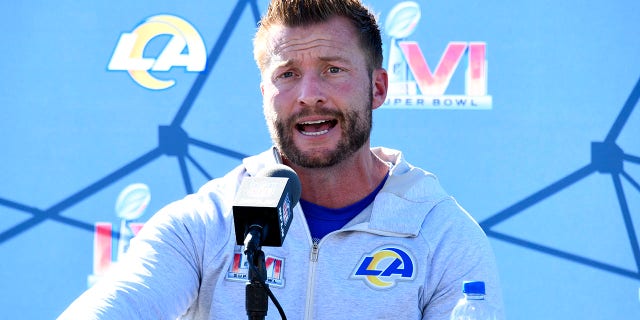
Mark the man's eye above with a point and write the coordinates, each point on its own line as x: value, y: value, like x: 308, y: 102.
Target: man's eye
x: 287, y: 74
x: 334, y: 69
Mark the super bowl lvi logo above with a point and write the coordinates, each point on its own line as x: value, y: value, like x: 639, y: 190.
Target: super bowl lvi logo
x: 414, y: 84
x: 130, y: 206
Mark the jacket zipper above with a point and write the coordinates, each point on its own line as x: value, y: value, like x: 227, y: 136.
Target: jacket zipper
x: 314, y: 252
x: 312, y: 275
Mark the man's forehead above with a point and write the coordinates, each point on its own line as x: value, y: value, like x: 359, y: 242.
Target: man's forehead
x: 316, y: 48
x: 315, y: 35
x: 332, y: 40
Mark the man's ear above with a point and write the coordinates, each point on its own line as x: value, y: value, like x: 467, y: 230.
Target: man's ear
x: 379, y: 87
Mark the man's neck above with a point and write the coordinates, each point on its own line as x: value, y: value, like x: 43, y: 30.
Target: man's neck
x: 343, y: 184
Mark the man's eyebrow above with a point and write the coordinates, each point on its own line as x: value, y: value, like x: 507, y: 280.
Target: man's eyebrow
x: 333, y: 58
x: 283, y: 63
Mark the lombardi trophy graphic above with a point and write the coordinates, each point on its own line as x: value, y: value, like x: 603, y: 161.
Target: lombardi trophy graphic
x: 401, y: 23
x: 130, y: 206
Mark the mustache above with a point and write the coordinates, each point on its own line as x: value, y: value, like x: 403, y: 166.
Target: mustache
x: 315, y: 111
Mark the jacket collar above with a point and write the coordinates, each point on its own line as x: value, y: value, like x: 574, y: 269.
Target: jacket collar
x: 406, y: 198
x: 256, y: 163
x: 400, y: 207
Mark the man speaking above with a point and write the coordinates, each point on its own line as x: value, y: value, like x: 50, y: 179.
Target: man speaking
x: 373, y: 237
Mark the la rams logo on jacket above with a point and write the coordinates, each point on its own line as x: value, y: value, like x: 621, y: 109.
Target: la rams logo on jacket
x: 384, y: 267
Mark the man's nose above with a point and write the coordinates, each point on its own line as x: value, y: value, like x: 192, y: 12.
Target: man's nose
x: 311, y: 90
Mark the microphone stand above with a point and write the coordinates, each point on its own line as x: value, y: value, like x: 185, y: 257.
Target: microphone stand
x: 256, y: 296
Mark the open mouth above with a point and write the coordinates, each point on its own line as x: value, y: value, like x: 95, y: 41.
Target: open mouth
x: 316, y: 128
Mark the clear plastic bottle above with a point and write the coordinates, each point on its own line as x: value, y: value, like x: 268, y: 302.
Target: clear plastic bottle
x: 473, y: 306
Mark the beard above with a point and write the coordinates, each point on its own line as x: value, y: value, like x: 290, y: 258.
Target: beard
x: 355, y: 126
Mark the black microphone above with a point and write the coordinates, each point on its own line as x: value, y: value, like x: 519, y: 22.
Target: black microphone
x: 264, y: 205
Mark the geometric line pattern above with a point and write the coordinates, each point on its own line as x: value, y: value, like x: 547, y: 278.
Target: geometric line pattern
x: 606, y: 157
x: 172, y: 141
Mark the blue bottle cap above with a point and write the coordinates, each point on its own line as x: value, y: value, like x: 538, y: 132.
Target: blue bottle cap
x: 473, y: 287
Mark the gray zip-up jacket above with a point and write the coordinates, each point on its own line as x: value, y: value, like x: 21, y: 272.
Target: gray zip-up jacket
x: 404, y: 257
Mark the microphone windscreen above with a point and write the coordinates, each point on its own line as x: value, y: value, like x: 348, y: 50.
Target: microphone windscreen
x: 282, y: 171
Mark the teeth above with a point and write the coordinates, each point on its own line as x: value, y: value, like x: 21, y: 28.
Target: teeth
x: 314, y: 133
x: 314, y: 122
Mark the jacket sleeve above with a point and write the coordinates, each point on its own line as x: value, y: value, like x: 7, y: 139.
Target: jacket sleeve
x: 459, y: 251
x: 159, y: 276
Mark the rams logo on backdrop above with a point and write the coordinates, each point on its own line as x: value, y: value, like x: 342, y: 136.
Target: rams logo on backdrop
x: 184, y: 49
x: 382, y: 268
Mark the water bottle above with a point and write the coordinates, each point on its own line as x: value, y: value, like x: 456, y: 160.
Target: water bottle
x: 473, y: 306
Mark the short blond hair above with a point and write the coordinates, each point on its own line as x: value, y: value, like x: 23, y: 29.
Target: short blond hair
x: 297, y: 13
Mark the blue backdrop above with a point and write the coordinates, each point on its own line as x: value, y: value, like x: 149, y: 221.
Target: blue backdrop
x: 546, y: 158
